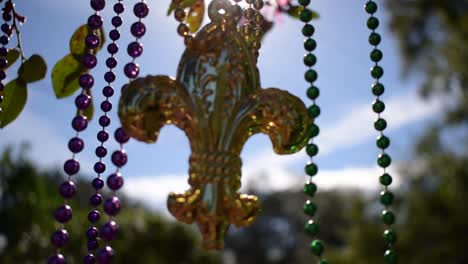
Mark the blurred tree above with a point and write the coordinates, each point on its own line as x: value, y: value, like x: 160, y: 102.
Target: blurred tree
x: 27, y: 194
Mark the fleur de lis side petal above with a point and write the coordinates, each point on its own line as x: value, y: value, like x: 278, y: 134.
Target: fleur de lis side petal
x: 217, y: 101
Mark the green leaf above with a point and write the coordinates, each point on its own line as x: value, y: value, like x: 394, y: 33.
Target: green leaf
x: 183, y: 4
x: 32, y: 70
x: 77, y: 41
x: 89, y: 112
x: 15, y: 96
x: 65, y: 76
x: 195, y: 16
x: 12, y: 57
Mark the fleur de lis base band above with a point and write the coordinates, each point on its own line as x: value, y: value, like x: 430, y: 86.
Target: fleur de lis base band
x: 217, y: 101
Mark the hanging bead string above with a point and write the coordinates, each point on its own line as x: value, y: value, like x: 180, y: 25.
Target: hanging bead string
x: 383, y: 142
x: 3, y: 50
x: 252, y: 28
x: 119, y: 158
x: 92, y: 233
x: 67, y: 189
x: 180, y: 14
x: 310, y: 188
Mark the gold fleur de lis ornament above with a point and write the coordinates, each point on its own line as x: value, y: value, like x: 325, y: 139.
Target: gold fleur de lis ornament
x: 217, y: 101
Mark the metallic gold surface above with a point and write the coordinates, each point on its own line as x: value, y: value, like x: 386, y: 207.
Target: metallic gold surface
x: 217, y: 101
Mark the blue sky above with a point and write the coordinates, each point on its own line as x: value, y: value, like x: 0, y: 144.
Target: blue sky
x: 347, y: 136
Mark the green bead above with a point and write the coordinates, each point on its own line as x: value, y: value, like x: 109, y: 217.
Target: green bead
x: 313, y: 92
x: 388, y: 217
x: 380, y: 124
x: 310, y: 208
x: 390, y: 257
x: 378, y: 89
x: 377, y: 72
x: 378, y: 106
x: 323, y: 261
x: 308, y: 30
x: 304, y: 2
x: 312, y: 149
x: 371, y: 7
x: 384, y: 160
x: 311, y: 169
x: 311, y: 76
x: 314, y: 111
x: 372, y: 23
x: 386, y: 197
x: 376, y: 55
x: 317, y: 247
x: 310, y: 44
x: 386, y: 179
x: 374, y: 39
x: 383, y: 142
x: 310, y: 189
x: 390, y: 236
x: 305, y: 15
x: 310, y: 59
x: 313, y: 130
x: 312, y: 228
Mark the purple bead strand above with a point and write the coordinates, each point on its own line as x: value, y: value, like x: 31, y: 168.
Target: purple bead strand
x: 93, y: 234
x: 67, y: 189
x: 4, y: 39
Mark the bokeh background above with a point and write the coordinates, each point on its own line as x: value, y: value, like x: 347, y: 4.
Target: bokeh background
x: 426, y: 78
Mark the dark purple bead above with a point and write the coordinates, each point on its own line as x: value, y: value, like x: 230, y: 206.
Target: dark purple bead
x: 95, y: 21
x: 79, y: 123
x: 89, y: 259
x: 71, y: 166
x: 7, y: 16
x: 131, y: 70
x: 116, y: 21
x: 111, y: 62
x: 63, y: 214
x: 101, y: 151
x: 102, y: 136
x: 2, y: 87
x: 112, y: 206
x: 114, y: 34
x: 108, y: 91
x: 76, y: 145
x: 115, y: 181
x: 92, y: 233
x: 105, y: 255
x: 86, y: 81
x: 82, y: 101
x: 57, y: 259
x: 112, y: 48
x: 141, y: 10
x: 3, y: 51
x: 2, y: 75
x: 109, y: 76
x: 119, y: 8
x: 94, y: 216
x: 3, y: 63
x: 99, y: 167
x: 95, y: 199
x: 92, y: 41
x: 106, y: 106
x: 104, y: 121
x: 59, y: 238
x: 98, y: 5
x: 6, y: 28
x: 120, y: 136
x: 138, y: 29
x: 67, y: 189
x: 98, y: 183
x: 4, y: 40
x: 109, y: 230
x: 93, y: 244
x: 119, y: 158
x: 135, y: 49
x: 89, y: 61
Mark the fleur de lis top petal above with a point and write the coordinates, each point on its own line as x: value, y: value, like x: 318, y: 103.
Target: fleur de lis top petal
x: 217, y: 101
